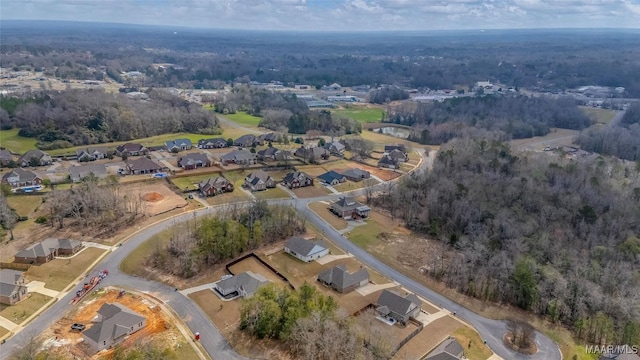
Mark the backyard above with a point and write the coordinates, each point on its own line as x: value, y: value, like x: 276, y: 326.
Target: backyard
x: 21, y: 311
x: 188, y: 183
x: 11, y: 141
x: 275, y: 193
x: 57, y: 274
x: 24, y: 205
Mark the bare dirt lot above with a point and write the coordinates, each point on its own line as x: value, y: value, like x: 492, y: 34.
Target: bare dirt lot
x: 159, y: 326
x: 157, y: 197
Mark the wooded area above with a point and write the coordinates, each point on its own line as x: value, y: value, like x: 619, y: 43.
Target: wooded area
x: 515, y: 115
x: 621, y: 140
x: 82, y: 117
x: 232, y: 231
x: 556, y: 237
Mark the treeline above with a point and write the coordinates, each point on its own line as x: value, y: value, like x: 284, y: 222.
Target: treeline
x: 215, y: 239
x: 84, y: 117
x: 386, y: 94
x: 282, y: 112
x: 310, y: 325
x: 620, y: 140
x: 517, y: 116
x: 553, y: 236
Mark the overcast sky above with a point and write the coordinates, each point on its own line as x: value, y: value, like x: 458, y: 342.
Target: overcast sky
x: 349, y: 15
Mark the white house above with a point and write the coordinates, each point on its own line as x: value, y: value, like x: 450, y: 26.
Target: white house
x: 305, y: 250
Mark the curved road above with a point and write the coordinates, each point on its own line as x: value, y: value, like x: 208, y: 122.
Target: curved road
x: 211, y: 339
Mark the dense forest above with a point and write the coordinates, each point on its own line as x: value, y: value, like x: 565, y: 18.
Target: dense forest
x: 557, y: 237
x: 621, y: 140
x: 82, y: 117
x: 282, y: 112
x: 225, y: 236
x: 516, y: 115
x: 535, y: 59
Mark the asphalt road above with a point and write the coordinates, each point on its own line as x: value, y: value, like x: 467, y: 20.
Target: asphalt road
x: 211, y: 339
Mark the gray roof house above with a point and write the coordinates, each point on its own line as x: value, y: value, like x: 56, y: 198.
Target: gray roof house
x: 450, y: 349
x: 144, y: 165
x: 312, y: 154
x: 91, y: 154
x: 259, y: 180
x: 238, y: 157
x: 348, y: 208
x: 214, y: 143
x: 115, y: 323
x: 305, y: 250
x: 397, y: 155
x: 339, y: 278
x: 42, y: 157
x: 394, y: 306
x: 5, y: 157
x: 12, y: 289
x: 268, y: 154
x: 356, y: 174
x: 296, y: 179
x: 247, y: 141
x: 20, y: 177
x: 214, y: 186
x: 244, y: 284
x: 335, y: 147
x: 46, y: 250
x: 178, y: 145
x: 77, y: 173
x: 194, y: 160
x: 332, y: 178
x: 387, y: 162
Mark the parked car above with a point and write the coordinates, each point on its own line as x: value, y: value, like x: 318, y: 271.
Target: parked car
x: 78, y: 327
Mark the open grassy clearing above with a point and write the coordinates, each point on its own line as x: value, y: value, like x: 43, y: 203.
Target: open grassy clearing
x: 600, y: 116
x: 477, y: 350
x: 24, y: 205
x: 322, y: 210
x: 58, y: 273
x: 361, y: 113
x: 10, y: 140
x: 311, y: 191
x: 275, y: 193
x: 366, y: 235
x: 22, y: 310
x: 243, y: 118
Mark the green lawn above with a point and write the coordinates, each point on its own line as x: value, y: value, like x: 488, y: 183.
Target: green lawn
x: 361, y: 114
x: 275, y: 193
x: 365, y: 235
x: 243, y: 118
x: 58, y: 273
x: 190, y: 182
x: 600, y: 116
x: 10, y: 140
x: 22, y: 310
x: 24, y: 205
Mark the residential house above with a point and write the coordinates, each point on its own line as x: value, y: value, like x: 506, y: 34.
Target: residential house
x: 47, y: 250
x: 332, y: 178
x: 623, y: 352
x: 131, y: 149
x: 6, y: 157
x: 91, y: 154
x: 312, y: 154
x: 35, y: 158
x: 296, y: 179
x: 194, y: 160
x: 178, y: 145
x: 215, y: 143
x: 259, y: 180
x: 284, y: 155
x: 387, y: 162
x: 268, y: 154
x: 144, y: 165
x: 238, y: 157
x: 348, y: 208
x: 305, y: 250
x: 450, y: 349
x: 335, y: 147
x: 356, y: 174
x: 398, y: 156
x: 340, y: 280
x: 398, y: 308
x: 390, y: 148
x: 270, y: 137
x: 214, y: 186
x: 243, y: 285
x: 332, y: 87
x: 77, y: 173
x: 12, y: 289
x: 115, y: 322
x: 20, y: 177
x: 247, y: 141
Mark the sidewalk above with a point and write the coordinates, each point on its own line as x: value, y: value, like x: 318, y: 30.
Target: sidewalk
x: 7, y: 324
x: 38, y: 287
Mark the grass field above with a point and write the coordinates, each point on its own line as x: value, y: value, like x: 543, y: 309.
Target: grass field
x: 600, y: 116
x: 361, y: 114
x: 366, y: 235
x: 322, y: 210
x: 275, y: 193
x: 58, y: 273
x: 243, y: 118
x: 10, y: 140
x: 477, y: 350
x: 24, y: 205
x: 22, y: 310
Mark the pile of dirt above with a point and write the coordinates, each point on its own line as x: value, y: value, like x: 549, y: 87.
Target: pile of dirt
x: 152, y: 197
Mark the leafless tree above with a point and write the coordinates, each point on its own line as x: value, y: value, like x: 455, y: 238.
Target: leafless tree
x: 7, y: 216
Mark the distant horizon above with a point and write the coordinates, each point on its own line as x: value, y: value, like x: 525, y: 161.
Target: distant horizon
x: 336, y: 15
